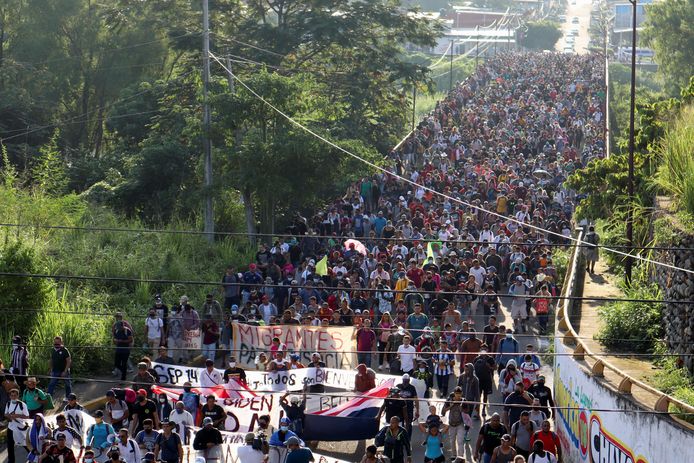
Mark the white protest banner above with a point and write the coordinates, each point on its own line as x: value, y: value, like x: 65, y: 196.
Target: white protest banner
x: 191, y: 339
x: 335, y: 344
x: 264, y: 381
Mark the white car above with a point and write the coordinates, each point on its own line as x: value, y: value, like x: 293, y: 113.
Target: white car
x: 570, y: 40
x: 574, y: 20
x: 568, y: 50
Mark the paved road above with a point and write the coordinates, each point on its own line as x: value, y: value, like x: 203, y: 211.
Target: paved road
x: 581, y: 10
x: 353, y: 451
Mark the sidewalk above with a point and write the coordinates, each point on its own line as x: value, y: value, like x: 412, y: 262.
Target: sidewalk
x: 588, y: 324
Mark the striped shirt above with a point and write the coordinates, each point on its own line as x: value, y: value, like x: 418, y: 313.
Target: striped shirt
x: 442, y: 362
x: 20, y: 361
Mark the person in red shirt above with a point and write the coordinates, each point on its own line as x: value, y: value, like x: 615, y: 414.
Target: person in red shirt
x: 549, y: 438
x: 58, y: 452
x: 415, y: 273
x: 325, y: 312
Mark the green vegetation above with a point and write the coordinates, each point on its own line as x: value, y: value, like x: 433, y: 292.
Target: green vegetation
x: 669, y: 30
x: 82, y: 310
x: 676, y: 158
x: 632, y: 326
x: 107, y: 96
x: 541, y: 35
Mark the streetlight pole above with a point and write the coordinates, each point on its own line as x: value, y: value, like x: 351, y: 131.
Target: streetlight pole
x: 450, y: 85
x: 632, y: 109
x: 206, y: 120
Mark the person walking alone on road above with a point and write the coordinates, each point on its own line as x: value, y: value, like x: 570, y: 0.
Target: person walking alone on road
x: 591, y: 253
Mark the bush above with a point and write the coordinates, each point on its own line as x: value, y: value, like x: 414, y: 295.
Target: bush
x: 632, y: 326
x: 676, y: 381
x: 676, y: 151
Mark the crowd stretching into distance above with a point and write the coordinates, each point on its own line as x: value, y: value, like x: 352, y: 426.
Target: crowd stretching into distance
x: 422, y: 276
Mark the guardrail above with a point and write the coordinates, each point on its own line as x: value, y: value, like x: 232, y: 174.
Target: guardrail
x: 596, y: 364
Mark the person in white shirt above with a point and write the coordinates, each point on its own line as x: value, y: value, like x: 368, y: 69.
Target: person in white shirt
x: 247, y: 454
x: 209, y: 376
x: 182, y: 420
x: 407, y: 353
x: 15, y: 412
x: 478, y: 272
x: 154, y: 329
x: 127, y: 448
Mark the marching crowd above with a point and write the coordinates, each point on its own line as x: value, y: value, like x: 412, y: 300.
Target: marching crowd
x: 413, y: 270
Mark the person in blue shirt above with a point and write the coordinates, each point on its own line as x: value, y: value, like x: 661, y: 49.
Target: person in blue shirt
x: 280, y: 436
x: 297, y: 453
x: 508, y: 349
x: 433, y: 444
x: 100, y: 435
x: 529, y: 350
x: 379, y: 224
x: 416, y: 322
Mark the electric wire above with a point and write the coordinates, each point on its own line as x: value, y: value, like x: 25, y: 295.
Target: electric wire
x: 529, y: 244
x: 345, y: 289
x: 450, y: 198
x: 350, y: 394
x: 74, y: 120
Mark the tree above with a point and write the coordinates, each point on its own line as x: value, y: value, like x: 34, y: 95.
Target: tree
x: 49, y: 171
x: 669, y: 30
x: 541, y: 35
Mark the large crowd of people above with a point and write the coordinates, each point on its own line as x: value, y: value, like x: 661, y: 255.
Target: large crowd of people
x: 420, y: 260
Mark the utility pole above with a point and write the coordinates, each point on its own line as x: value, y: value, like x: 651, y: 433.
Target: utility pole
x: 230, y: 77
x: 477, y: 45
x: 450, y: 86
x: 206, y: 119
x: 628, y: 265
x: 414, y: 105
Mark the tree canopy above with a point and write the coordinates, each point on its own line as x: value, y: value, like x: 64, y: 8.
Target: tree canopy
x: 669, y: 30
x: 108, y: 96
x: 541, y: 35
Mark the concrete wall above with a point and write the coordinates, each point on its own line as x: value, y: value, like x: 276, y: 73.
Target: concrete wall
x: 596, y: 435
x: 597, y: 423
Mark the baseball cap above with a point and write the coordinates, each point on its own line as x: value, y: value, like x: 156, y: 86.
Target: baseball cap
x: 405, y: 377
x: 207, y: 421
x: 110, y: 393
x: 149, y: 457
x: 142, y: 392
x: 285, y: 420
x: 249, y: 437
x: 60, y: 436
x: 72, y: 396
x: 99, y: 413
x: 506, y: 438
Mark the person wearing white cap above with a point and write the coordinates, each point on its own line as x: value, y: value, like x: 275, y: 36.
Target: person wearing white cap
x: 519, y: 310
x: 409, y: 393
x: 208, y: 440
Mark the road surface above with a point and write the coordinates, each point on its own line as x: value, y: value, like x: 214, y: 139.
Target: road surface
x: 576, y: 9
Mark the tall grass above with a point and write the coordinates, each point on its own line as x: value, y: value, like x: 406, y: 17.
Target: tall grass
x: 676, y: 151
x: 131, y: 255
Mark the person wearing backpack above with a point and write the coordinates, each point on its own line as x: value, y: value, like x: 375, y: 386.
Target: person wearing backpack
x: 15, y: 412
x: 395, y: 442
x: 127, y: 448
x: 117, y: 411
x: 549, y: 439
x: 591, y: 253
x: 99, y: 433
x: 35, y: 399
x: 539, y: 455
x: 508, y: 349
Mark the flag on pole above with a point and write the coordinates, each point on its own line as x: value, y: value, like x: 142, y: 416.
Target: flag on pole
x: 430, y: 251
x: 322, y: 266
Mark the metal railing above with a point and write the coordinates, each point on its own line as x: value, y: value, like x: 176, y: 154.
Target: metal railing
x: 596, y: 363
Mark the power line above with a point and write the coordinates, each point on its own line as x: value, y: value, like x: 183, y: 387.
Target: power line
x: 451, y: 198
x: 359, y: 395
x: 345, y: 289
x: 530, y: 244
x: 76, y: 119
x: 77, y: 348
